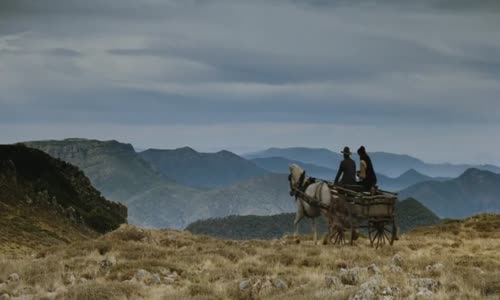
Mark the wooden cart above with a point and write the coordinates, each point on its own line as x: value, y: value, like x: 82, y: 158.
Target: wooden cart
x: 353, y: 209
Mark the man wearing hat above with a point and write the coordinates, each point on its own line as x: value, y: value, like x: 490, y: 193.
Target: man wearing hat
x: 347, y: 169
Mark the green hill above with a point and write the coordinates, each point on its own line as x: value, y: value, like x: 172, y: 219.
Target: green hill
x: 45, y: 200
x: 410, y: 214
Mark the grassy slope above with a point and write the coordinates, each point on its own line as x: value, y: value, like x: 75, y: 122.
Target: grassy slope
x: 37, y: 194
x: 213, y: 269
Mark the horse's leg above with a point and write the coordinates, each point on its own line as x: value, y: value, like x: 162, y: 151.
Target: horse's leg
x: 315, y: 230
x: 298, y: 216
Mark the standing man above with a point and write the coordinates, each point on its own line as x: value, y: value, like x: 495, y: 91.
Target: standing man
x: 366, y: 172
x: 347, y: 169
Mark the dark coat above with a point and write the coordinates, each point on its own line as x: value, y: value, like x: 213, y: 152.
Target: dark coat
x: 371, y: 178
x: 347, y: 169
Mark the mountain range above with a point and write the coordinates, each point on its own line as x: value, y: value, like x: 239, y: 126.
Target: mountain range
x: 281, y: 165
x: 173, y: 188
x: 388, y: 164
x: 155, y: 200
x: 206, y: 170
x: 473, y: 192
x: 45, y: 201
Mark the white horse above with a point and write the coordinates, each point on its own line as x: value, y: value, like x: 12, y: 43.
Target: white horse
x: 316, y: 191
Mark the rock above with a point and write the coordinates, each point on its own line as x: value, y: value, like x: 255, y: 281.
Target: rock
x: 424, y: 293
x: 435, y: 268
x: 108, y: 262
x: 267, y: 285
x: 368, y: 290
x: 245, y: 284
x: 142, y: 275
x: 5, y: 297
x: 168, y: 280
x: 426, y: 283
x: 374, y: 270
x: 257, y: 285
x: 14, y: 277
x: 349, y: 276
x: 155, y: 279
x: 69, y: 279
x: 397, y: 260
x: 332, y: 282
x: 280, y: 284
x: 396, y: 269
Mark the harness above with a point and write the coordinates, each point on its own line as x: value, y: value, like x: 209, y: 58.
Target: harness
x: 302, y: 185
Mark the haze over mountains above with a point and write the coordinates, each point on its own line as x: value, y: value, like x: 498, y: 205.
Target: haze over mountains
x: 472, y: 192
x: 281, y: 165
x: 193, y: 168
x: 389, y: 164
x: 173, y: 188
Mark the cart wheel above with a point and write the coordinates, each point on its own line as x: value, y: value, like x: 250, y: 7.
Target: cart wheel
x: 337, y: 236
x: 381, y: 232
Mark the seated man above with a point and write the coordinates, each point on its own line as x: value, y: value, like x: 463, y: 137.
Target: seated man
x: 366, y: 173
x: 347, y: 169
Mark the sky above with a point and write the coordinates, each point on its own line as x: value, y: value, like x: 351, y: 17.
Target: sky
x: 414, y: 77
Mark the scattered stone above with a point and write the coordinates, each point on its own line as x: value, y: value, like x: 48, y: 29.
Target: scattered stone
x: 245, y: 284
x: 5, y: 297
x: 168, y: 280
x: 267, y: 285
x: 332, y: 282
x: 142, y: 275
x: 69, y: 279
x: 349, y: 276
x: 426, y: 283
x: 435, y: 268
x: 424, y: 293
x: 14, y: 277
x: 396, y: 263
x: 257, y: 285
x: 374, y: 270
x: 397, y: 260
x: 396, y: 269
x: 108, y: 262
x: 368, y: 290
x: 280, y: 284
x: 155, y: 279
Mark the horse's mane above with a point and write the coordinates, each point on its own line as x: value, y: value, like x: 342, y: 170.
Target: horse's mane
x: 296, y: 171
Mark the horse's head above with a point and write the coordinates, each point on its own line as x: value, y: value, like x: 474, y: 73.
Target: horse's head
x: 296, y: 178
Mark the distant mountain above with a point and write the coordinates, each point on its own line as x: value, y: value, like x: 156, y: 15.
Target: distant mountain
x: 157, y: 201
x: 208, y: 170
x: 281, y: 165
x: 46, y: 201
x: 410, y: 214
x: 113, y: 167
x: 473, y: 192
x: 389, y: 164
x: 121, y: 175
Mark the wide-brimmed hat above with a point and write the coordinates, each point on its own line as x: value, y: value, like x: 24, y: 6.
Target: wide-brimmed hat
x: 346, y: 151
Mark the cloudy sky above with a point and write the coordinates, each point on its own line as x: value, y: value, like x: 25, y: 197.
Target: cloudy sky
x: 421, y: 79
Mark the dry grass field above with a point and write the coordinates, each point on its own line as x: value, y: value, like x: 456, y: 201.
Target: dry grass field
x: 454, y: 260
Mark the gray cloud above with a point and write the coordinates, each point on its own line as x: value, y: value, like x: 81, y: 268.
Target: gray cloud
x: 64, y: 52
x: 311, y: 65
